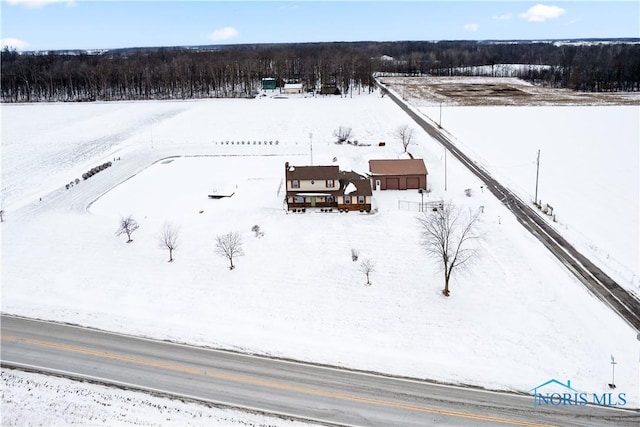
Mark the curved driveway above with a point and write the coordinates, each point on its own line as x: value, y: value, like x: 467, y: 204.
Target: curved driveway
x: 297, y: 390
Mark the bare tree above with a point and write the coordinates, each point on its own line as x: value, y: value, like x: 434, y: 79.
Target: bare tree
x: 448, y: 236
x: 229, y: 246
x: 405, y: 133
x: 169, y: 238
x: 343, y: 133
x: 367, y: 267
x: 354, y: 254
x: 127, y: 226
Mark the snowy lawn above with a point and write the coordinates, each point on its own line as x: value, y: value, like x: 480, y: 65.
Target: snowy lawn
x: 515, y: 320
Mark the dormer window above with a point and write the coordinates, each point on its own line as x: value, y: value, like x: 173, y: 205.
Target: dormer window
x: 295, y: 183
x: 330, y: 183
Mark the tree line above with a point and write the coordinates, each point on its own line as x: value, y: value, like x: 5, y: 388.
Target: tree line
x: 237, y: 71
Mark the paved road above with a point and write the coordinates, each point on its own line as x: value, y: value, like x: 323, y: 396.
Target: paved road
x: 304, y: 391
x: 597, y: 281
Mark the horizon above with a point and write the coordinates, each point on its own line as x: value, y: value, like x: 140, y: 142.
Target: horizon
x: 225, y: 46
x: 68, y: 25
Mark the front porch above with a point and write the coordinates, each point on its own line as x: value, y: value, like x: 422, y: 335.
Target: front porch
x: 302, y: 201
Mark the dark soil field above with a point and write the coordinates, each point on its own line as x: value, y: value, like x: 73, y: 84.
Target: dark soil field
x: 483, y: 91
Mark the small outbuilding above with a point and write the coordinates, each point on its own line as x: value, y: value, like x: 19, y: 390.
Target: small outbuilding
x: 329, y: 89
x: 398, y: 174
x: 292, y: 88
x: 269, y: 83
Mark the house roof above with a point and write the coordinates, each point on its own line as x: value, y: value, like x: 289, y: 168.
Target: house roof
x: 312, y: 172
x: 397, y: 167
x: 362, y: 184
x: 306, y: 173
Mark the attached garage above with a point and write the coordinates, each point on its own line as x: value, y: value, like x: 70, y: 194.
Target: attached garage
x: 400, y: 174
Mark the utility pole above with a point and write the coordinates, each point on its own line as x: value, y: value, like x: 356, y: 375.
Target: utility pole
x: 535, y: 199
x: 613, y: 372
x: 440, y: 120
x: 445, y: 168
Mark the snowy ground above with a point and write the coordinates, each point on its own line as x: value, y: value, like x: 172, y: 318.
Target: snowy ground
x: 589, y: 164
x: 33, y: 399
x: 517, y: 319
x: 588, y: 173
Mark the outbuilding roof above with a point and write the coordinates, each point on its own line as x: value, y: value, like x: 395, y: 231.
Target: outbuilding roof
x: 397, y: 167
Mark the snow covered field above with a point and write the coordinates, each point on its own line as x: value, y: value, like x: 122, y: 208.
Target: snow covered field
x: 514, y: 321
x: 34, y: 399
x: 589, y: 170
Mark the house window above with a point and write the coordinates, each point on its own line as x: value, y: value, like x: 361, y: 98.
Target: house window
x: 330, y: 199
x: 347, y: 199
x: 329, y: 183
x: 361, y: 200
x: 298, y: 199
x: 295, y: 184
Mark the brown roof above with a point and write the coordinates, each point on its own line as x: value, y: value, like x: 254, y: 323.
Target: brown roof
x: 397, y: 167
x: 312, y: 172
x: 363, y: 185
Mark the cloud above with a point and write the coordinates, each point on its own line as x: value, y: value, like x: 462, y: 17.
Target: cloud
x: 541, y: 12
x: 36, y: 4
x: 225, y: 33
x: 503, y: 17
x: 471, y: 28
x: 13, y: 43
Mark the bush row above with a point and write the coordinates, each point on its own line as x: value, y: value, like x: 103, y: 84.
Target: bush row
x: 95, y: 170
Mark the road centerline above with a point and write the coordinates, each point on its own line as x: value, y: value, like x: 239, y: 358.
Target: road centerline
x: 264, y: 382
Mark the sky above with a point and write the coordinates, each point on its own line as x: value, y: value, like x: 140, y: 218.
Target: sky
x: 81, y: 24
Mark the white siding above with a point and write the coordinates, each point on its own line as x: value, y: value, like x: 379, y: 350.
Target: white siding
x: 318, y: 185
